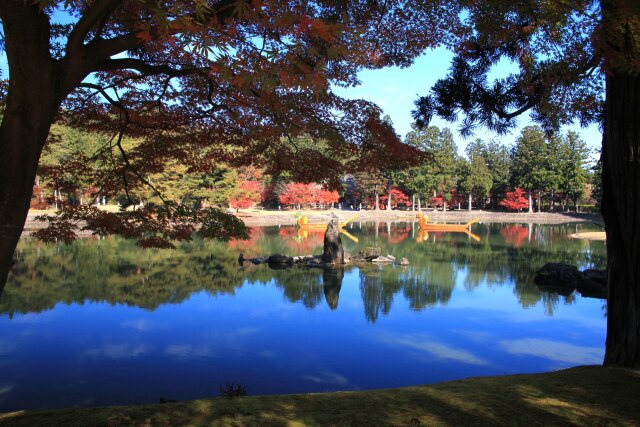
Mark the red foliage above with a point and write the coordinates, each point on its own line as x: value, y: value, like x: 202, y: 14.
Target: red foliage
x: 515, y: 235
x: 436, y: 201
x: 397, y: 198
x: 37, y: 198
x: 457, y: 197
x: 515, y: 200
x: 298, y: 194
x: 248, y: 193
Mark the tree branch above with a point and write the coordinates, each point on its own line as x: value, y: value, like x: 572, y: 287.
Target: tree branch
x: 144, y: 67
x: 94, y: 14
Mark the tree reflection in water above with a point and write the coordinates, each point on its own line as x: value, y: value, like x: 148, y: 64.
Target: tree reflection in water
x: 117, y: 272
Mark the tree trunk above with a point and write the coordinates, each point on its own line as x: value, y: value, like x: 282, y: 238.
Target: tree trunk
x: 377, y: 202
x: 30, y: 107
x: 621, y: 212
x: 470, y: 201
x: 530, y: 202
x: 419, y: 207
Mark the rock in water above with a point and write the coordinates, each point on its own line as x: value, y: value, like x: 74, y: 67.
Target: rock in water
x: 279, y: 259
x: 369, y: 253
x: 558, y: 277
x: 333, y: 252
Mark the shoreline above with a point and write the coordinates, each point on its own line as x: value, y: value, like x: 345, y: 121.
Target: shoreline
x: 263, y: 218
x: 583, y: 395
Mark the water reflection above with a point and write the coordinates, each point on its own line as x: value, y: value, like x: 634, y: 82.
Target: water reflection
x: 123, y: 325
x: 117, y: 272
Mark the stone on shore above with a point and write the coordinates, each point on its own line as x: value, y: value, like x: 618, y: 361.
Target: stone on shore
x: 382, y: 260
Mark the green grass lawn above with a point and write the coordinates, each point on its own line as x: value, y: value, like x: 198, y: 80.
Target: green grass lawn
x: 586, y: 395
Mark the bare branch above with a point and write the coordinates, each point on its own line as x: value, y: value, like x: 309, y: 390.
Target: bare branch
x: 144, y: 67
x: 91, y: 17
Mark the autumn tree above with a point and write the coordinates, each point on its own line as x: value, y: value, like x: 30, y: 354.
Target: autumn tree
x: 200, y: 81
x: 515, y: 200
x: 575, y: 61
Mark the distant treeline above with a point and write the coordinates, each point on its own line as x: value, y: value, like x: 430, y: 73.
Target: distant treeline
x: 550, y: 173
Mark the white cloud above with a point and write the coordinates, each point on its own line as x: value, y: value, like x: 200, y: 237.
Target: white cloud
x: 327, y: 378
x: 119, y: 351
x: 425, y: 344
x: 556, y: 351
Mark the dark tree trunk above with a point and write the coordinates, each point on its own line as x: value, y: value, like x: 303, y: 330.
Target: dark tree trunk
x: 30, y: 108
x: 621, y: 183
x: 621, y: 211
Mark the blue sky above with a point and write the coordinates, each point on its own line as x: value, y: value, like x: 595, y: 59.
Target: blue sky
x: 395, y: 90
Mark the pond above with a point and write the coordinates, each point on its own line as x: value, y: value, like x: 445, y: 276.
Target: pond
x: 102, y: 322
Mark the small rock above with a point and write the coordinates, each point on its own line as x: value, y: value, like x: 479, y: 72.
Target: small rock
x: 404, y: 261
x: 258, y: 260
x: 382, y: 260
x: 279, y: 259
x: 391, y: 257
x: 369, y: 253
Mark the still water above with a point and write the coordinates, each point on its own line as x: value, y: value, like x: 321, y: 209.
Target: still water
x: 102, y: 322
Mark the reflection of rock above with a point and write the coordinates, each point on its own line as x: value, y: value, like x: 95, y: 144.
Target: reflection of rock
x: 332, y: 281
x: 594, y: 284
x: 564, y: 279
x: 404, y: 261
x: 332, y: 252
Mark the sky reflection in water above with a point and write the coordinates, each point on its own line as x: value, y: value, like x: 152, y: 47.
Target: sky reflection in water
x: 102, y: 322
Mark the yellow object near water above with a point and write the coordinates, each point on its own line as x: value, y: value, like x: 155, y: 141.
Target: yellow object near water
x: 424, y: 224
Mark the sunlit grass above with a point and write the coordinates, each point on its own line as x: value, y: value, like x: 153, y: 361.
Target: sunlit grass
x: 587, y: 395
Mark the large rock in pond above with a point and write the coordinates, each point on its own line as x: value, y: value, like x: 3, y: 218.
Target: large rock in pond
x: 561, y: 278
x: 369, y: 253
x: 332, y: 252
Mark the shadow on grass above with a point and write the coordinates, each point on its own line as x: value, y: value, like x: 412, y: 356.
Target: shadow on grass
x: 582, y: 396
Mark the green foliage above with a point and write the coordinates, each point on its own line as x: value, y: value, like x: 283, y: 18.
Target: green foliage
x: 438, y: 173
x: 476, y: 177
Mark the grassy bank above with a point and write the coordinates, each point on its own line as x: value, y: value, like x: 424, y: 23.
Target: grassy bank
x: 587, y: 395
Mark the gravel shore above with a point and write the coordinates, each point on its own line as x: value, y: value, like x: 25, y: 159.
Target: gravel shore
x: 257, y: 217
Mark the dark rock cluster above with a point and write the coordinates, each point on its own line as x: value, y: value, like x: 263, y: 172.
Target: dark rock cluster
x: 564, y: 279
